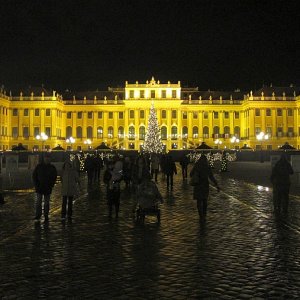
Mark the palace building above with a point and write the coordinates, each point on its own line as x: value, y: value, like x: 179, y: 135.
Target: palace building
x: 119, y: 117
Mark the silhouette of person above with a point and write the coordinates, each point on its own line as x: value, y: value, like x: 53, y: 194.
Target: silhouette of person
x: 201, y: 190
x: 280, y: 178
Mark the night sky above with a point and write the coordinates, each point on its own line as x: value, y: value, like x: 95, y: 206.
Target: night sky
x: 87, y: 45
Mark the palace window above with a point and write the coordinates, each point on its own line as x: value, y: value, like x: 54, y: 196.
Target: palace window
x: 79, y: 115
x: 142, y: 133
x: 216, y: 132
x: 174, y: 133
x: 279, y: 112
x: 226, y: 115
x: 37, y: 112
x: 69, y: 115
x: 269, y: 131
x: 100, y: 132
x: 163, y: 114
x: 257, y: 112
x: 79, y: 132
x: 25, y: 132
x: 131, y: 94
x: 184, y: 132
x: 205, y: 132
x: 184, y: 115
x: 195, y: 115
x: 36, y: 131
x: 237, y: 131
x: 48, y: 131
x: 110, y: 115
x: 131, y: 114
x: 110, y: 132
x: 100, y: 114
x: 142, y: 94
x: 195, y: 132
x: 173, y: 93
x: 89, y: 132
x: 164, y: 94
x: 121, y: 132
x: 15, y: 112
x: 15, y: 132
x: 131, y: 133
x: 226, y: 132
x: 26, y: 112
x: 163, y: 133
x: 69, y: 132
x: 216, y: 115
x: 268, y: 112
x: 290, y: 112
x: 152, y: 94
x: 48, y: 112
x: 236, y: 115
x: 279, y: 131
x: 174, y: 114
x: 290, y: 132
x: 142, y: 114
x: 205, y: 115
x: 121, y: 115
x: 257, y: 130
x: 90, y: 115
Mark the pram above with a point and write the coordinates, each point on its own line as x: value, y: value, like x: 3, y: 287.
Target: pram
x: 141, y: 212
x: 148, y: 199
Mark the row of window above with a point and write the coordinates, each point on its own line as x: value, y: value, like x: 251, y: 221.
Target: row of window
x: 152, y: 94
x: 279, y: 112
x: 216, y: 114
x: 15, y: 112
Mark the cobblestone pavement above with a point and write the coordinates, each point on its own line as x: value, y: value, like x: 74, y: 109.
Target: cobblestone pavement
x: 242, y: 251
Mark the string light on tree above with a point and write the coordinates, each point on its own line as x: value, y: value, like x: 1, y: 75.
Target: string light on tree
x: 153, y: 142
x: 224, y: 162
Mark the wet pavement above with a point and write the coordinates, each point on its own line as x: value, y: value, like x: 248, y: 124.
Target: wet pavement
x: 242, y: 251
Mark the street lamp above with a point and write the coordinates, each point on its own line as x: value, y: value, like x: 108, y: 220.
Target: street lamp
x: 88, y: 142
x: 42, y: 137
x: 234, y: 140
x: 218, y: 142
x: 71, y: 141
x: 261, y: 137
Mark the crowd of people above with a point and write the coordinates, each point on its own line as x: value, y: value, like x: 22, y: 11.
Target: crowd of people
x: 137, y: 174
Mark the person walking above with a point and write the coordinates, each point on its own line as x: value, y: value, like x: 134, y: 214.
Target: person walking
x: 170, y: 169
x: 280, y: 178
x: 44, y: 177
x: 184, y: 161
x: 69, y: 187
x: 200, y: 174
x: 112, y: 178
x: 154, y: 166
x: 89, y: 167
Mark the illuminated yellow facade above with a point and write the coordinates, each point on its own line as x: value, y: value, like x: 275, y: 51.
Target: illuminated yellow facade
x: 119, y: 117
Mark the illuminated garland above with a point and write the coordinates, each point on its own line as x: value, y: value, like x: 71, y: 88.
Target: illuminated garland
x: 194, y: 156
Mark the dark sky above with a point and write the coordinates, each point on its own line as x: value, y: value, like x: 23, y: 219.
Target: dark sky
x: 81, y: 45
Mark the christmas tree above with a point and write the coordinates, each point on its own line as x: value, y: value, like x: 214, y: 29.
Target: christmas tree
x: 153, y: 142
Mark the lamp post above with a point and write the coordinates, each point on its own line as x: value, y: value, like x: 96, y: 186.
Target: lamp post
x: 234, y: 140
x: 70, y: 141
x: 218, y: 142
x: 88, y: 142
x: 261, y: 137
x: 42, y: 137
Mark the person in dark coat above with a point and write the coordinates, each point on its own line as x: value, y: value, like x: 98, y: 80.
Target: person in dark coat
x: 98, y: 164
x: 89, y: 167
x: 69, y: 188
x: 204, y: 173
x: 44, y: 177
x: 184, y: 161
x: 170, y: 170
x: 280, y: 178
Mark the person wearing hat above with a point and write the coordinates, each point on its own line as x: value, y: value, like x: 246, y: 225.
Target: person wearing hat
x: 44, y: 177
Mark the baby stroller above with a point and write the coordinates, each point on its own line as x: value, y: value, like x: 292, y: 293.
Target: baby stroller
x: 148, y: 198
x: 142, y: 212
